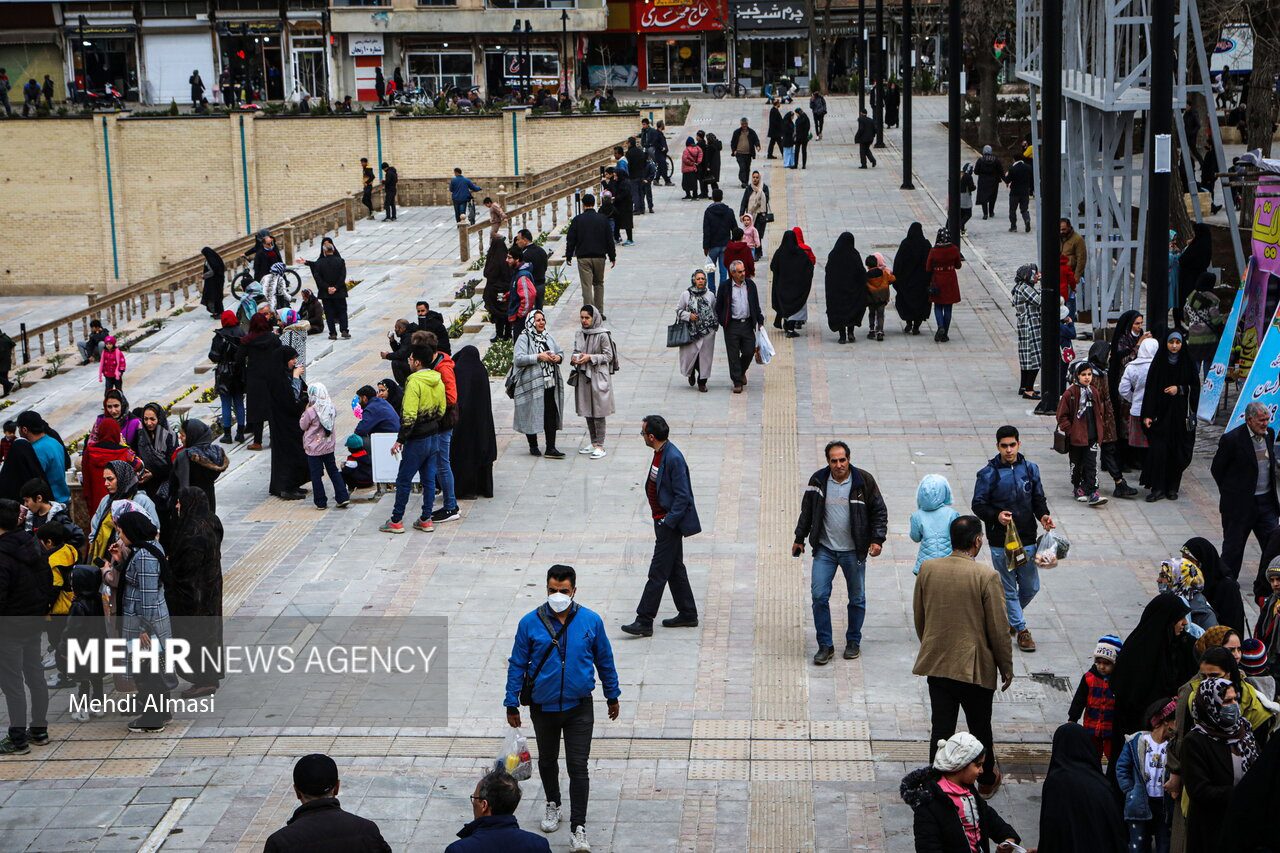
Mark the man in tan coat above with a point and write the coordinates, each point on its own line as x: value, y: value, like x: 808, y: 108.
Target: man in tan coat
x: 964, y: 641
x: 1072, y: 245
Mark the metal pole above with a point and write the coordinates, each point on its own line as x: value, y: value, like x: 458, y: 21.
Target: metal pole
x: 1159, y: 165
x: 26, y: 349
x: 862, y: 55
x: 908, y: 66
x: 881, y: 67
x: 955, y: 59
x: 564, y: 48
x: 1050, y: 203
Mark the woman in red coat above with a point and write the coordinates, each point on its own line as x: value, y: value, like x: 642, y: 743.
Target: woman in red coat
x: 106, y: 446
x: 944, y: 288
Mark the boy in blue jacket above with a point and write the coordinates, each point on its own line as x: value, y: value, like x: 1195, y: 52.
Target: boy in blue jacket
x: 558, y: 649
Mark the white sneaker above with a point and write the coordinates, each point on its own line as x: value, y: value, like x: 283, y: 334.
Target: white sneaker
x: 598, y: 453
x: 585, y: 450
x: 49, y: 661
x: 551, y: 822
x: 578, y: 840
x: 80, y: 716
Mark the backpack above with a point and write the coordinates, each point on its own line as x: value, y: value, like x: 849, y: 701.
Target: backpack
x: 613, y: 365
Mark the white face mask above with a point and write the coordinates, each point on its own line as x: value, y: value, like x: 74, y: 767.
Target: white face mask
x: 558, y: 602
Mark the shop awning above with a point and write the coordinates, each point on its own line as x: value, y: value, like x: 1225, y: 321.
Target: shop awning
x: 45, y: 36
x: 772, y: 35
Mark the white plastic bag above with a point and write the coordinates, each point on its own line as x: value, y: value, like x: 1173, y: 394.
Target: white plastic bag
x: 1050, y: 548
x: 514, y: 757
x: 764, y: 347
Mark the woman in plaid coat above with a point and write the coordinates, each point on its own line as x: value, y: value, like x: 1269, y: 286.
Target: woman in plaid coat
x: 1026, y: 305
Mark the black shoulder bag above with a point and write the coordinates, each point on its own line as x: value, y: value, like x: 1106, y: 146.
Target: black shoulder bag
x: 526, y: 686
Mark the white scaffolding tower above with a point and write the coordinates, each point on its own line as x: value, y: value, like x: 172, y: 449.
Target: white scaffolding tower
x: 1105, y: 86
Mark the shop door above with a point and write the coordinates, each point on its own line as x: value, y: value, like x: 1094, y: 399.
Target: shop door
x: 308, y: 71
x: 656, y: 61
x: 170, y: 58
x: 685, y: 61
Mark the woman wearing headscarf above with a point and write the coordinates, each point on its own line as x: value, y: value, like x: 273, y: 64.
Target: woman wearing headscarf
x: 710, y: 165
x: 258, y: 359
x: 390, y: 390
x: 253, y: 297
x: 1156, y: 659
x: 1256, y: 794
x: 1132, y: 389
x: 1078, y: 810
x: 539, y: 387
x: 804, y: 247
x: 139, y: 564
x: 592, y: 377
x: 289, y: 467
x: 198, y: 462
x: 475, y: 441
x: 155, y: 444
x: 330, y: 273
x: 107, y: 447
x: 317, y: 423
x: 967, y: 189
x: 1194, y: 263
x: 497, y: 287
x: 293, y: 333
x: 789, y: 141
x: 120, y: 484
x: 1216, y: 754
x: 215, y: 277
x: 755, y: 202
x: 194, y: 597
x: 697, y: 307
x: 944, y: 287
x: 1168, y: 408
x: 690, y: 161
x: 116, y: 408
x: 846, y: 287
x: 1125, y: 338
x: 1221, y: 591
x: 990, y: 172
x: 311, y: 312
x: 911, y: 279
x: 792, y: 273
x: 1026, y: 309
x: 948, y: 814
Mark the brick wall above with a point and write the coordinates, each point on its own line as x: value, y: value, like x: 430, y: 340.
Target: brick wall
x: 178, y: 183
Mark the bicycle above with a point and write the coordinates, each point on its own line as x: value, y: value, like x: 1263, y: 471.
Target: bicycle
x: 288, y: 281
x: 720, y: 90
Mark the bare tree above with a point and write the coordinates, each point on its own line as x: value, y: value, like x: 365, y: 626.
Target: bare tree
x: 1260, y: 112
x: 822, y: 37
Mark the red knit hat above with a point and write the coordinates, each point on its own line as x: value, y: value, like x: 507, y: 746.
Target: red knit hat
x: 1253, y: 657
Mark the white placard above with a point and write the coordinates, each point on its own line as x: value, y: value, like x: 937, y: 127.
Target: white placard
x: 365, y: 45
x: 746, y: 62
x: 385, y: 466
x: 1164, y: 148
x: 799, y: 61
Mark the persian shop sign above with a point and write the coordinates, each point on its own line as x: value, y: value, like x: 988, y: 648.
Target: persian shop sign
x: 770, y: 15
x: 676, y: 15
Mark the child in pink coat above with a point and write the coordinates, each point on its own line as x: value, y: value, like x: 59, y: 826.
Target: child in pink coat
x: 112, y: 366
x: 750, y: 235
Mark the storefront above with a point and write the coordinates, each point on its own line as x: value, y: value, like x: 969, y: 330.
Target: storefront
x: 252, y: 52
x: 773, y: 40
x: 308, y: 59
x: 680, y: 44
x: 171, y: 50
x: 507, y: 68
x: 105, y: 53
x: 29, y: 48
x: 440, y: 67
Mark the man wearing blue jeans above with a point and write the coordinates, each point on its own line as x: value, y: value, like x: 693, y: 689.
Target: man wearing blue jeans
x: 460, y: 190
x: 422, y: 412
x: 845, y: 520
x: 1008, y: 491
x: 443, y: 364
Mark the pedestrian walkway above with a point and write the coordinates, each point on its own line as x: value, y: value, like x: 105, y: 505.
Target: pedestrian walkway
x: 729, y: 738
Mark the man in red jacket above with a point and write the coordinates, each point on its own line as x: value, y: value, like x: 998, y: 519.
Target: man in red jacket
x: 443, y: 364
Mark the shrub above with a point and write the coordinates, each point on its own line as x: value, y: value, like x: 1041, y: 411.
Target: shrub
x: 498, y: 357
x: 173, y: 108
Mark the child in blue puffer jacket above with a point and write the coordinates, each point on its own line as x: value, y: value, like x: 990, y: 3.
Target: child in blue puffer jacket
x: 931, y: 522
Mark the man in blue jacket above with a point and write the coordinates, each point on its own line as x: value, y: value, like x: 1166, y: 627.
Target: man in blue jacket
x: 377, y: 415
x: 460, y: 190
x: 558, y: 649
x: 495, y: 829
x: 674, y: 517
x: 1008, y: 491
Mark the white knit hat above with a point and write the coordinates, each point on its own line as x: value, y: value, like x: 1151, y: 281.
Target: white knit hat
x: 956, y: 752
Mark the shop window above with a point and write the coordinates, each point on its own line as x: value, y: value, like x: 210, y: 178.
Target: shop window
x: 437, y: 72
x: 437, y: 2
x: 173, y: 8
x: 533, y: 4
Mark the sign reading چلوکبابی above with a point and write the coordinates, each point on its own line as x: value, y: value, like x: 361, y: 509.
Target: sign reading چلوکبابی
x: 770, y: 15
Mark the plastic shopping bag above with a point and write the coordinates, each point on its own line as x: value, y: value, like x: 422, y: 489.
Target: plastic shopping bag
x: 514, y: 757
x: 1015, y: 556
x: 764, y: 347
x: 1053, y: 542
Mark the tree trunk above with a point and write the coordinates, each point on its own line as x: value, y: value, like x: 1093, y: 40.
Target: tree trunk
x: 822, y: 60
x: 1260, y: 114
x: 988, y: 97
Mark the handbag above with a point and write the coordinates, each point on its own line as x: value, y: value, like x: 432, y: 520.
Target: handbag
x: 526, y: 685
x: 679, y: 333
x: 509, y: 384
x: 1060, y: 442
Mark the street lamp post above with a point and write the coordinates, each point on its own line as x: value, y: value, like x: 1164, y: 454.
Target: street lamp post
x: 1159, y: 163
x: 908, y: 64
x: 955, y: 59
x: 881, y: 66
x: 528, y: 59
x: 862, y: 55
x: 564, y: 49
x: 1050, y: 203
